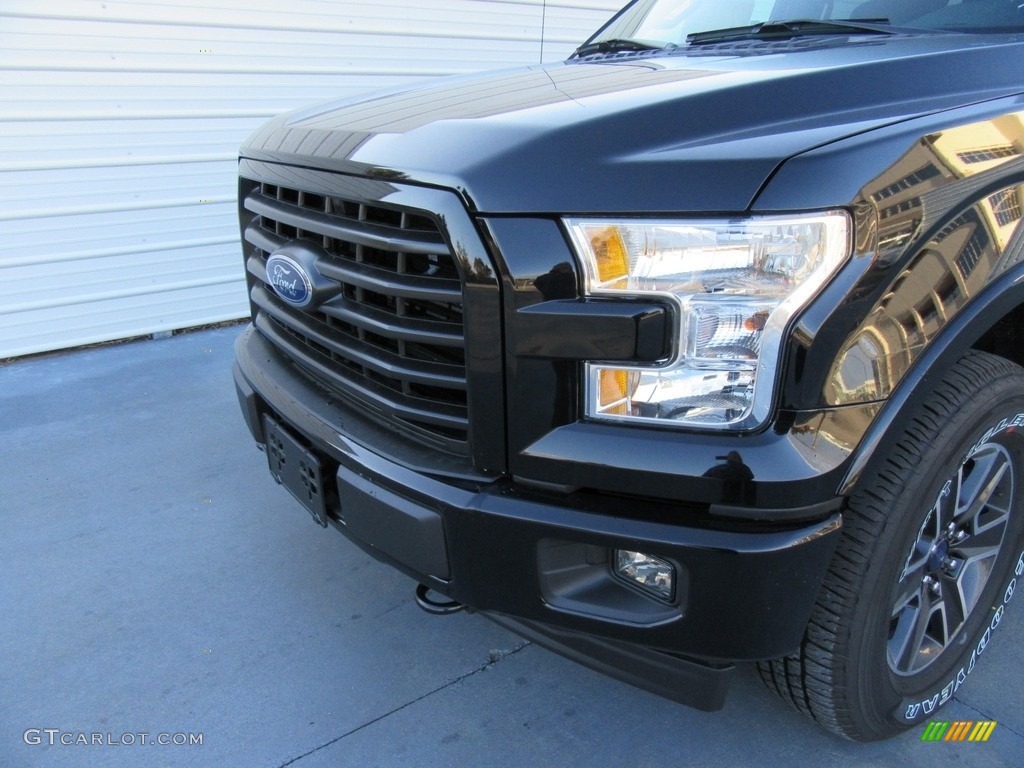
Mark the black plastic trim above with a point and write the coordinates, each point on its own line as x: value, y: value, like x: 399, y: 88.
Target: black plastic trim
x: 696, y: 684
x: 407, y: 532
x: 593, y: 330
x: 817, y: 511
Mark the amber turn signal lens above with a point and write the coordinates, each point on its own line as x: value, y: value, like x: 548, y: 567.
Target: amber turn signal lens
x: 610, y: 254
x: 756, y: 322
x: 615, y: 390
x: 613, y: 386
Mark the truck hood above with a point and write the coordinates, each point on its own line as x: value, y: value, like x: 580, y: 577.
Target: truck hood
x: 699, y: 129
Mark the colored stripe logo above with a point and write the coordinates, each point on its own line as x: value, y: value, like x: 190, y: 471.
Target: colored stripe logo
x: 958, y: 730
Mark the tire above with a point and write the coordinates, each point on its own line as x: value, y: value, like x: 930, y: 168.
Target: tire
x: 929, y: 558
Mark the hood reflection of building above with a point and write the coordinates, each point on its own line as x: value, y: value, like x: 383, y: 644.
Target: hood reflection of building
x: 928, y: 184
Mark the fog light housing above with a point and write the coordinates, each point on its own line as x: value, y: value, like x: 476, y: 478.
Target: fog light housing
x: 654, y: 576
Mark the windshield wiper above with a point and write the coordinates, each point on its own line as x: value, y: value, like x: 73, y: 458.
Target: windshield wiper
x: 771, y: 30
x: 615, y: 44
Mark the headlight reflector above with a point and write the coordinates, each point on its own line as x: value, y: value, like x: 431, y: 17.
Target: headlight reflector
x: 735, y: 285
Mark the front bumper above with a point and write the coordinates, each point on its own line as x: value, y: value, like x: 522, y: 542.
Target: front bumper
x: 539, y: 563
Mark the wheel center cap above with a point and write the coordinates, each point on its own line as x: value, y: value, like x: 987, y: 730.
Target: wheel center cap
x: 938, y: 556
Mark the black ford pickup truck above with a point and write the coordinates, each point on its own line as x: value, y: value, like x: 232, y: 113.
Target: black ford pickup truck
x: 700, y: 347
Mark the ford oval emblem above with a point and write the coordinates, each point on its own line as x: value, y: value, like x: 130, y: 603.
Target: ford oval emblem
x: 289, y: 280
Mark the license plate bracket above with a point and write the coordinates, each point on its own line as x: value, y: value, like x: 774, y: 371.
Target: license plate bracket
x: 296, y: 468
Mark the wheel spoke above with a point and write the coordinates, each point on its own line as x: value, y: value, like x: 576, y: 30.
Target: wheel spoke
x: 926, y: 537
x: 982, y: 522
x: 973, y: 564
x: 989, y: 467
x: 982, y: 545
x: 953, y: 608
x: 908, y: 589
x: 948, y: 504
x: 903, y: 621
x: 911, y: 645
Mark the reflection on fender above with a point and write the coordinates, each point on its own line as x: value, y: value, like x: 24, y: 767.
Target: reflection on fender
x: 961, y: 188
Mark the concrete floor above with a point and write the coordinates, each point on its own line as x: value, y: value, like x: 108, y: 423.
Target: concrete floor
x: 154, y: 580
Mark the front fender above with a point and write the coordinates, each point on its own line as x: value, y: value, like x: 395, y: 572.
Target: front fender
x: 1001, y: 298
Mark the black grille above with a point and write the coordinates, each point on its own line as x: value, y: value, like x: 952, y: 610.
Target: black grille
x: 392, y: 338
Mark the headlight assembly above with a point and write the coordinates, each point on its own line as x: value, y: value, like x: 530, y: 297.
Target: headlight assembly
x: 735, y: 285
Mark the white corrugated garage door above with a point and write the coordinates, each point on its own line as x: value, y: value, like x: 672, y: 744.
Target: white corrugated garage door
x: 120, y: 122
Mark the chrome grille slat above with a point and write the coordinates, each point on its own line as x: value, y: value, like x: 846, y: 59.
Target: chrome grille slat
x: 368, y: 276
x: 406, y: 286
x: 365, y: 392
x: 267, y: 242
x: 360, y: 353
x: 392, y: 338
x: 360, y: 232
x: 382, y: 323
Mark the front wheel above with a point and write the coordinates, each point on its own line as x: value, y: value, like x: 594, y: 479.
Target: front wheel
x: 930, y: 556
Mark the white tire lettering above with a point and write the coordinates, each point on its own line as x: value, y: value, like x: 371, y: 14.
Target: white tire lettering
x: 997, y: 617
x: 929, y: 705
x: 947, y: 693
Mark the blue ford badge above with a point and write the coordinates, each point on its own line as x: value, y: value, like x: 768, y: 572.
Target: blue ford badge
x: 289, y: 280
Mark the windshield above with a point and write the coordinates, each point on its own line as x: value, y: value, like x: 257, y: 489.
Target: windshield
x: 670, y: 22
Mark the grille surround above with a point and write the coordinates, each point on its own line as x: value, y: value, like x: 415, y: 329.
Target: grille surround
x: 392, y: 341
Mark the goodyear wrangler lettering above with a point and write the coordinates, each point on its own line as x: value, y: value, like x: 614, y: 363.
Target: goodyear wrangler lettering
x: 1002, y: 426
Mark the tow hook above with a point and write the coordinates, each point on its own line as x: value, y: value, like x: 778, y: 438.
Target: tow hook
x: 436, y: 607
